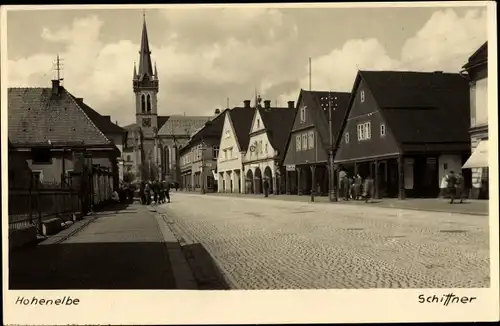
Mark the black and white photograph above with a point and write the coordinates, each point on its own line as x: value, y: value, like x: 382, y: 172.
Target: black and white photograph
x: 198, y: 148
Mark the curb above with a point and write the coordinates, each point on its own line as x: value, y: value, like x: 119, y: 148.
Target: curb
x: 181, y: 269
x: 184, y: 240
x: 78, y: 228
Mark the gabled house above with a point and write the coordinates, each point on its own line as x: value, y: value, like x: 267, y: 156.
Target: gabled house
x: 268, y: 138
x: 48, y: 128
x: 198, y: 158
x: 308, y: 147
x: 405, y: 129
x: 232, y: 148
x: 476, y: 71
x: 112, y: 131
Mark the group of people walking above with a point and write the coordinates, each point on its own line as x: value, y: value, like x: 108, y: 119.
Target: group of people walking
x: 156, y: 192
x: 355, y: 187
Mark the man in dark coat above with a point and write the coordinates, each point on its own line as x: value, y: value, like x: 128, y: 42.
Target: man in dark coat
x: 266, y: 188
x: 452, y: 183
x: 142, y: 193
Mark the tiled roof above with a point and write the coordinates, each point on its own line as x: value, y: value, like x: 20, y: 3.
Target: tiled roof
x: 241, y: 118
x: 103, y: 122
x: 37, y: 117
x: 478, y: 57
x: 278, y: 123
x: 211, y: 128
x: 422, y: 107
x: 182, y: 125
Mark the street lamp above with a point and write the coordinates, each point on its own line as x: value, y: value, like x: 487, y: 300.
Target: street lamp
x: 333, y: 196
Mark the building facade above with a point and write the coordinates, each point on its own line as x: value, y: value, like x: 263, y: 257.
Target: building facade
x: 232, y: 148
x: 477, y: 73
x: 269, y: 134
x: 49, y: 127
x: 406, y: 130
x: 152, y: 145
x: 198, y: 159
x: 306, y: 160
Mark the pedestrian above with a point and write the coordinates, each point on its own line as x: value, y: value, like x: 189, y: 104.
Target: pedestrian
x: 147, y: 192
x: 344, y: 190
x: 266, y: 188
x: 443, y: 186
x: 357, y: 186
x: 451, y: 186
x: 368, y: 188
x: 176, y: 186
x: 142, y: 193
x: 460, y: 187
x: 115, y: 196
x: 167, y: 191
x: 156, y: 192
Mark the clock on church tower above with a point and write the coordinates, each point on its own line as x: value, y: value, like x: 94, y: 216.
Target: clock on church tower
x: 146, y: 122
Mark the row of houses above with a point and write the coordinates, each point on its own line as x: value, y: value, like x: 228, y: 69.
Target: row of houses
x: 405, y: 129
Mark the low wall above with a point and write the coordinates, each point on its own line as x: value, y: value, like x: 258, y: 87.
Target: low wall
x: 22, y: 237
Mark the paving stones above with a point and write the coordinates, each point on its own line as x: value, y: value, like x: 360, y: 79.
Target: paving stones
x: 264, y: 245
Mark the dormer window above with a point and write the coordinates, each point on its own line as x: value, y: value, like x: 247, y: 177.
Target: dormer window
x: 258, y: 123
x: 382, y: 130
x: 346, y: 138
x: 362, y: 96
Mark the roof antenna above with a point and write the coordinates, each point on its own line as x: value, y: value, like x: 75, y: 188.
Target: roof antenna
x: 59, y: 68
x: 227, y: 102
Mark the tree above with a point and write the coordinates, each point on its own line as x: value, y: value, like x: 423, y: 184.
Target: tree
x: 148, y: 171
x: 129, y: 177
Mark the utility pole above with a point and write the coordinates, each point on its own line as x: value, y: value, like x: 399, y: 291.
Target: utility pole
x: 333, y: 187
x: 202, y: 166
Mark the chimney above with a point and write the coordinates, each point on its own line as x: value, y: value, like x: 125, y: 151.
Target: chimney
x: 246, y: 103
x: 55, y: 87
x: 291, y: 104
x: 267, y: 104
x: 107, y: 117
x: 80, y: 99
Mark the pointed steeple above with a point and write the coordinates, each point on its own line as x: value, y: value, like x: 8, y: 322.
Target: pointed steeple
x: 145, y: 66
x: 135, y: 71
x: 156, y: 71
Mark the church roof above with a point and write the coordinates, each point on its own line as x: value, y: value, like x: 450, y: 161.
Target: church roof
x: 145, y: 64
x: 36, y: 116
x: 177, y: 125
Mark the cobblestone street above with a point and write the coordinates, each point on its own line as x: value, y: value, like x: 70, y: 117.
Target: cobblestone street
x: 274, y: 244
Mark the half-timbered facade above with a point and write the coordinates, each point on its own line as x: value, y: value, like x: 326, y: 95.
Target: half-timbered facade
x: 306, y: 160
x: 406, y: 130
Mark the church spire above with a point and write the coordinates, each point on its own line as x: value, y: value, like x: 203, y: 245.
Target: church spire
x: 145, y: 66
x: 135, y: 71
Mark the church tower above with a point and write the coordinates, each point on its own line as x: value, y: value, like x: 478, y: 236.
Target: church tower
x: 146, y: 86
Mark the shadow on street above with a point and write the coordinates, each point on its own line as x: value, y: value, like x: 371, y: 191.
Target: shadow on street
x: 139, y: 265
x: 206, y: 273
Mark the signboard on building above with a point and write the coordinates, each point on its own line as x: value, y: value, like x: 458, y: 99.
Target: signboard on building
x: 290, y: 167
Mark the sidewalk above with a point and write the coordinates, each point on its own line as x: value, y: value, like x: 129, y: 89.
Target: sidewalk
x: 118, y: 249
x: 470, y: 206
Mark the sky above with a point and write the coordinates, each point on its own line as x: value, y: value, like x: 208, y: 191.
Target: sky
x: 206, y: 55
